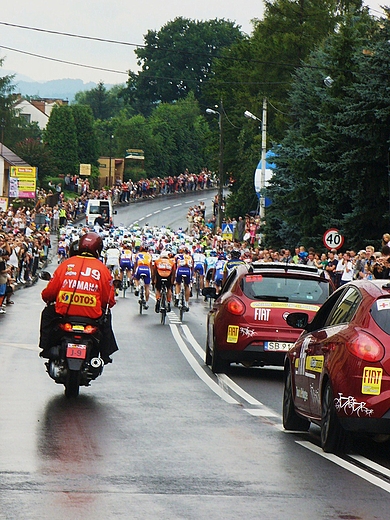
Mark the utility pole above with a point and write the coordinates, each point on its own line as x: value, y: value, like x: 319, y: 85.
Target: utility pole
x: 263, y: 158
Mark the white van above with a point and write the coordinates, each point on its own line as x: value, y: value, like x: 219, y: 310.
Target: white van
x: 99, y: 207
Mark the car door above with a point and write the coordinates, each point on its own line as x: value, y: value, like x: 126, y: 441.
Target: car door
x: 323, y: 344
x: 305, y: 350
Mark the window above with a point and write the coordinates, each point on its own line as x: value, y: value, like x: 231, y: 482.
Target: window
x: 286, y: 289
x: 380, y: 311
x: 346, y: 308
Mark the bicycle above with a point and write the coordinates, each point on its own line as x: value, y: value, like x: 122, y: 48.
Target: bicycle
x: 182, y: 299
x: 125, y: 284
x: 163, y: 300
x: 142, y: 301
x: 197, y: 284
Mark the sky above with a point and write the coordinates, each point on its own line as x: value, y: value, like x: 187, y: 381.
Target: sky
x: 118, y: 20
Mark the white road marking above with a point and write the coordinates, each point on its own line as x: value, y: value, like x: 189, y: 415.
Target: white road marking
x: 189, y: 202
x: 155, y: 213
x: 176, y: 205
x: 261, y: 412
x: 149, y: 215
x: 198, y: 369
x: 223, y: 378
x: 168, y: 207
x: 376, y: 481
x: 371, y: 464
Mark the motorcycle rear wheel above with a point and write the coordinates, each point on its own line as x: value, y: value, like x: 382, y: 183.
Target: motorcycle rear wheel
x: 72, y: 385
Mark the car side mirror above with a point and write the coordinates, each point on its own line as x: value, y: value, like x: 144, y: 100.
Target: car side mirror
x: 45, y: 275
x: 298, y: 320
x: 210, y: 292
x: 115, y: 212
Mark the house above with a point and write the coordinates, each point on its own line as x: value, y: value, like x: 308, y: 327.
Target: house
x: 36, y: 110
x: 110, y: 171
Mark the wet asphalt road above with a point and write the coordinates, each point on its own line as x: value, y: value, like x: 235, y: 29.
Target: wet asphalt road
x: 155, y: 437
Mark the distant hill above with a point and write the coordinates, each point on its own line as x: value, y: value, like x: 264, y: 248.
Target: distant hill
x: 56, y: 88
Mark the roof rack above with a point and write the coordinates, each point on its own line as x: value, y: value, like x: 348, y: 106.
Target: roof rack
x: 258, y: 266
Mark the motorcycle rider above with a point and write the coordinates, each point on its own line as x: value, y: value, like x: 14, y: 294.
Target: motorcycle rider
x: 80, y: 286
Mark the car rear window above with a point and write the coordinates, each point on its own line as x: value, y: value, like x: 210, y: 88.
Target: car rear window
x: 286, y: 289
x: 380, y: 311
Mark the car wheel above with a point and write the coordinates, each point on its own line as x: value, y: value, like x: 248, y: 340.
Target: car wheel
x: 218, y: 365
x: 333, y: 435
x: 291, y: 420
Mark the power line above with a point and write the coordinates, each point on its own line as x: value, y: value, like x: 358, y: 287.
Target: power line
x: 63, y: 61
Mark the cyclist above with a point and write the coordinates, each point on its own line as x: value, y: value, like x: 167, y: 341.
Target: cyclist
x: 184, y: 267
x: 199, y: 264
x: 211, y: 260
x: 126, y: 262
x: 164, y: 267
x: 218, y: 271
x: 111, y: 259
x: 142, y: 265
x: 63, y: 249
x: 235, y: 260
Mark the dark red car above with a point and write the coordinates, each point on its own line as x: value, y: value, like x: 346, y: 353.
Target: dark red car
x: 337, y: 375
x: 247, y: 323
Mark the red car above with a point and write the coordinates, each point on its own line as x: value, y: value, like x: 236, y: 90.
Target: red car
x: 337, y: 375
x: 247, y: 323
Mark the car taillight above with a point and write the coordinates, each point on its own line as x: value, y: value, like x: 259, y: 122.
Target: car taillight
x: 235, y: 307
x: 366, y: 347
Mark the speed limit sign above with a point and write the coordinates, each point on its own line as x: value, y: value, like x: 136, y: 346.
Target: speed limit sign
x: 332, y: 239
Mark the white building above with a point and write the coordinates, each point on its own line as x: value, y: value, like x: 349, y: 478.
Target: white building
x: 36, y: 110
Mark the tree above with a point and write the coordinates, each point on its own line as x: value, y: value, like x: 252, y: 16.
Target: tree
x: 332, y: 164
x: 88, y: 148
x: 181, y: 135
x: 35, y: 153
x: 61, y: 138
x: 177, y: 60
x: 104, y: 103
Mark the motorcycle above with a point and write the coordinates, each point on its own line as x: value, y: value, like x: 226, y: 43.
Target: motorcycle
x: 74, y: 360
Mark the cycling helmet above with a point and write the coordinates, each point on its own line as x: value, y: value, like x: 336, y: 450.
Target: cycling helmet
x: 74, y: 248
x: 91, y: 243
x: 213, y: 253
x: 221, y: 256
x: 164, y: 254
x: 235, y: 254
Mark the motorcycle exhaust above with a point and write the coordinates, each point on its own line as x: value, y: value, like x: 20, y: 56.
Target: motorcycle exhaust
x: 96, y: 362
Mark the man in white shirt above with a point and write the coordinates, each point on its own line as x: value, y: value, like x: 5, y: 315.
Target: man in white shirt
x: 347, y: 269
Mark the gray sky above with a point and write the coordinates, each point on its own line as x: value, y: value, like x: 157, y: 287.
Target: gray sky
x: 117, y: 20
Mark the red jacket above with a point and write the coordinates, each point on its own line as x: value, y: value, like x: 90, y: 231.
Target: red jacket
x: 81, y: 286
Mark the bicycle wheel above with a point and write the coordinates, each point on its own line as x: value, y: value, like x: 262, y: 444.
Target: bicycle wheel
x: 182, y: 303
x: 124, y: 285
x: 197, y: 281
x: 163, y: 307
x: 141, y: 299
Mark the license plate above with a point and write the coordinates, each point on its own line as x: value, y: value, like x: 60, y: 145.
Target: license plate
x: 279, y: 346
x: 77, y: 351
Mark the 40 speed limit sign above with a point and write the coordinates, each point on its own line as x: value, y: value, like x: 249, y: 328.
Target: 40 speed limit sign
x: 332, y: 239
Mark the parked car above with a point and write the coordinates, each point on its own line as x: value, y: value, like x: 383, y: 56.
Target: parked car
x: 247, y: 323
x: 337, y: 375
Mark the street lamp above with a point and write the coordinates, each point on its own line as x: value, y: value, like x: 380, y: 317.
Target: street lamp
x: 263, y: 123
x: 220, y: 176
x: 109, y: 174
